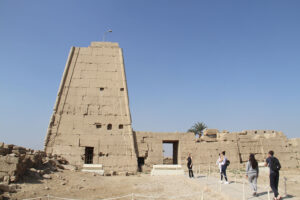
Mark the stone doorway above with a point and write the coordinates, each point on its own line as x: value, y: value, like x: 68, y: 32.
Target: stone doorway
x: 89, y: 154
x: 170, y: 152
x: 141, y: 163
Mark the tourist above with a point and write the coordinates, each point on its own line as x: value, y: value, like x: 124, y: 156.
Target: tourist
x: 252, y: 173
x: 274, y: 165
x: 190, y: 166
x: 224, y: 165
x: 219, y: 163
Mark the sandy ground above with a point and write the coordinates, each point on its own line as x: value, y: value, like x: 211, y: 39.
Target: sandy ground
x: 291, y: 186
x: 80, y: 185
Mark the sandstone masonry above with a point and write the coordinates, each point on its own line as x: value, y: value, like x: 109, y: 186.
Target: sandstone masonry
x: 91, y: 123
x: 205, y: 150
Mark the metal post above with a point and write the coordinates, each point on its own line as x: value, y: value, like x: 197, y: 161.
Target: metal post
x: 285, y: 192
x: 244, y: 195
x: 269, y: 198
x: 202, y: 196
x: 235, y: 178
x: 104, y: 35
x: 103, y: 38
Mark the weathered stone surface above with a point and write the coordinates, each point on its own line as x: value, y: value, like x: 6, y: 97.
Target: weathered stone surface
x: 46, y: 176
x: 13, y: 166
x: 69, y: 167
x: 92, y: 110
x: 238, y: 146
x: 4, y: 187
x: 7, y: 188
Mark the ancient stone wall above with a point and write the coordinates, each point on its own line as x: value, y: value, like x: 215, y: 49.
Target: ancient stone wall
x: 91, y: 123
x: 92, y: 110
x: 15, y: 160
x: 205, y: 150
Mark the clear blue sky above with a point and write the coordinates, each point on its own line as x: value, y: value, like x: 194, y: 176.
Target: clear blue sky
x: 234, y: 65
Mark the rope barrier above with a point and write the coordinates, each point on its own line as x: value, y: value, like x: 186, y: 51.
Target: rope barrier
x: 284, y: 179
x: 242, y: 181
x: 208, y: 173
x: 132, y: 195
x: 63, y: 198
x: 33, y: 198
x: 144, y: 196
x: 119, y: 197
x: 244, y: 195
x: 187, y: 195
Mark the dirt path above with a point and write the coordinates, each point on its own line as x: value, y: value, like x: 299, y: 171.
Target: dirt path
x: 80, y: 185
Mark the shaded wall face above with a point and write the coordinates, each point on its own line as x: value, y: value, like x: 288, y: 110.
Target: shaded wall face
x: 205, y: 151
x: 92, y: 110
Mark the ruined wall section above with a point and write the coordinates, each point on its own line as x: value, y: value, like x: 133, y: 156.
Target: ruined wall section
x: 150, y: 146
x: 260, y: 142
x: 92, y: 109
x: 205, y: 150
x: 294, y: 144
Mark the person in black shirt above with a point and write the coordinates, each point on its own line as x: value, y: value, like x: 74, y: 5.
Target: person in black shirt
x: 190, y: 166
x: 274, y: 165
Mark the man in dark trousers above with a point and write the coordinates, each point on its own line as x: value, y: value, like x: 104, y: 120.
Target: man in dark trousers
x: 274, y: 165
x: 190, y: 166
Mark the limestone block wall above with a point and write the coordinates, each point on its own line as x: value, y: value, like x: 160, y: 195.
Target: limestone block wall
x: 15, y: 160
x: 92, y: 110
x: 294, y: 144
x: 149, y: 145
x: 205, y: 150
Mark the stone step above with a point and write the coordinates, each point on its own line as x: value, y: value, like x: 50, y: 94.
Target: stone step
x: 93, y: 168
x: 99, y: 171
x: 162, y: 170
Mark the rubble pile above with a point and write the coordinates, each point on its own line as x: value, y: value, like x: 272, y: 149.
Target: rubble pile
x: 18, y: 163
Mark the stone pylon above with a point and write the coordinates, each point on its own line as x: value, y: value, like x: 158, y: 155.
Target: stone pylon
x: 91, y: 121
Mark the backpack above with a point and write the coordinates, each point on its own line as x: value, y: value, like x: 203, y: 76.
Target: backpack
x: 274, y: 164
x: 227, y: 163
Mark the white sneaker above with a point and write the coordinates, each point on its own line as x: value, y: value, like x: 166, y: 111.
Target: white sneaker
x: 226, y: 182
x: 221, y: 182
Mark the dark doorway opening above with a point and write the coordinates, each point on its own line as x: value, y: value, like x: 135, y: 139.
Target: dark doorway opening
x: 89, y: 153
x: 170, y: 152
x: 141, y: 162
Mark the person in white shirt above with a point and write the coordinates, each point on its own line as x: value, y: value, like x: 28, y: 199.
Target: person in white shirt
x: 223, y: 168
x: 219, y: 163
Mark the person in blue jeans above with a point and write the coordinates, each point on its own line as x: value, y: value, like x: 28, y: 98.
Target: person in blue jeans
x: 224, y: 167
x: 274, y: 165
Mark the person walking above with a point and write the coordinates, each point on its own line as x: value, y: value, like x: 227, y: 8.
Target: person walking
x: 274, y: 165
x: 252, y: 173
x: 190, y: 166
x: 224, y: 168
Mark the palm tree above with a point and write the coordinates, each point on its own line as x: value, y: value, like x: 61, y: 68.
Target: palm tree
x: 198, y: 128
